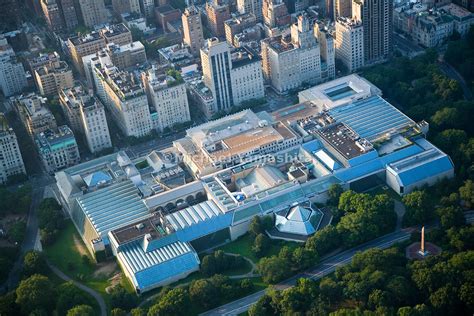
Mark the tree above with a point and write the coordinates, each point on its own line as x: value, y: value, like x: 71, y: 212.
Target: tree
x: 34, y: 262
x: 255, y: 227
x: 334, y: 193
x: 324, y: 240
x: 419, y: 208
x: 138, y: 312
x: 49, y: 214
x: 446, y: 118
x: 17, y: 232
x: 451, y: 216
x: 466, y: 192
x: 273, y: 269
x: 8, y: 307
x: 330, y: 289
x: 81, y: 310
x: 203, y: 293
x: 303, y: 258
x: 69, y: 296
x: 120, y: 298
x: 173, y: 302
x: 118, y: 312
x: 35, y: 292
x: 260, y: 245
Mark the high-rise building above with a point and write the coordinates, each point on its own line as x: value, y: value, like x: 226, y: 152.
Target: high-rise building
x: 342, y: 8
x: 233, y: 77
x: 52, y: 14
x: 193, y: 35
x: 290, y: 61
x: 69, y: 13
x: 57, y: 148
x: 328, y: 59
x: 88, y: 116
x: 254, y: 7
x: 124, y: 97
x: 350, y: 43
x: 376, y: 18
x: 126, y: 6
x: 93, y: 12
x: 330, y: 9
x: 11, y: 162
x: 52, y: 77
x: 12, y: 73
x: 275, y: 15
x: 217, y: 14
x: 167, y: 94
x: 148, y: 7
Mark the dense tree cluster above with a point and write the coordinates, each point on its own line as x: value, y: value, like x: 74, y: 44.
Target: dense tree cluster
x: 460, y: 54
x: 219, y: 262
x: 50, y: 220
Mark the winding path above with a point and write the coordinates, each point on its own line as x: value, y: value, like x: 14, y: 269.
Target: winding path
x: 94, y: 294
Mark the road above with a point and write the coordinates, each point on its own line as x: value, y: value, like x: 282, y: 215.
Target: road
x: 326, y: 267
x: 406, y: 47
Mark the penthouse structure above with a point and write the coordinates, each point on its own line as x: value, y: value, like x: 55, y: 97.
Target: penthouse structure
x: 53, y: 76
x: 167, y: 93
x: 57, y: 148
x: 11, y: 161
x: 290, y: 61
x: 86, y: 114
x: 246, y: 165
x: 125, y: 98
x: 34, y: 115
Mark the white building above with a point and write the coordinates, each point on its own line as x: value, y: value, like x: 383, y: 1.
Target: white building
x: 124, y: 97
x: 12, y: 73
x: 11, y: 162
x: 86, y: 114
x: 167, y: 94
x: 290, y: 61
x: 232, y: 77
x: 251, y: 6
x: 350, y: 43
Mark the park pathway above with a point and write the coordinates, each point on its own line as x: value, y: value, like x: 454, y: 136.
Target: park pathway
x: 94, y: 294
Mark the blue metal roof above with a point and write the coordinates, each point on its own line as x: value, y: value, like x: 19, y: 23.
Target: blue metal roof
x: 113, y: 207
x: 156, y: 267
x: 97, y: 177
x: 371, y: 117
x: 425, y: 171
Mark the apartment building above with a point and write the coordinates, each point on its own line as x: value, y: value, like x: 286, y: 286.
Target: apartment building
x: 166, y: 92
x: 11, y: 161
x: 193, y: 35
x: 124, y: 97
x: 69, y: 14
x: 126, y: 6
x: 52, y: 14
x: 83, y: 45
x: 53, y: 76
x: 376, y: 19
x: 86, y: 114
x: 254, y: 7
x: 237, y: 24
x: 290, y: 61
x: 350, y: 43
x: 324, y: 35
x: 57, y: 148
x: 12, y: 73
x: 217, y: 14
x: 342, y: 8
x: 118, y: 34
x: 34, y: 115
x: 94, y: 12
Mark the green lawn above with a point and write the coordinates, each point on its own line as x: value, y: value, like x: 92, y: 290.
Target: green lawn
x: 65, y: 256
x: 243, y: 247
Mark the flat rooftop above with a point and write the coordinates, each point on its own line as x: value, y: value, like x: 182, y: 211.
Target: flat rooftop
x: 139, y: 229
x: 341, y: 138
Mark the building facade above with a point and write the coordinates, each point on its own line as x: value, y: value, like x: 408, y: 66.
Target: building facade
x: 167, y: 94
x: 125, y: 98
x: 52, y: 14
x: 254, y: 7
x: 193, y: 35
x: 217, y: 14
x: 53, y: 77
x: 350, y: 43
x: 93, y: 12
x: 12, y: 73
x: 83, y: 45
x: 11, y: 161
x: 35, y: 116
x: 57, y: 148
x: 376, y: 19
